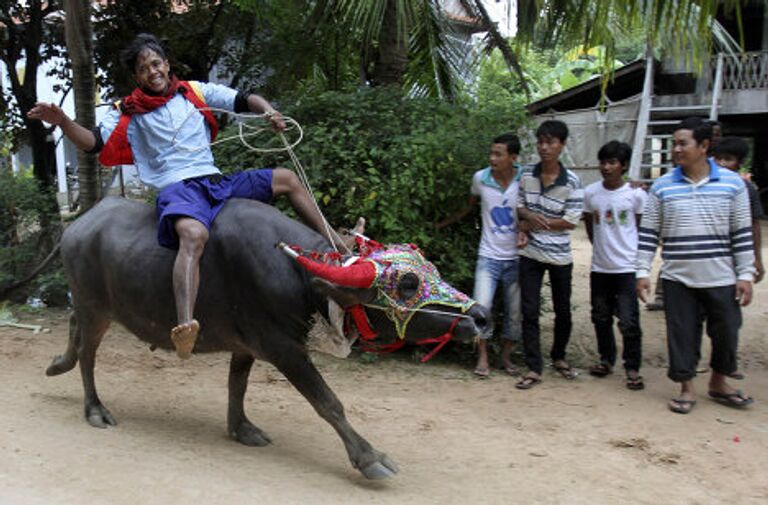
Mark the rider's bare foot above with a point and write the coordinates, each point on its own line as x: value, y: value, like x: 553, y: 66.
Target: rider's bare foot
x: 347, y: 242
x: 183, y: 337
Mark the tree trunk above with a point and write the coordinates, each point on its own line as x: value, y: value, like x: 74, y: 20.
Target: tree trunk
x: 79, y: 36
x: 392, y: 60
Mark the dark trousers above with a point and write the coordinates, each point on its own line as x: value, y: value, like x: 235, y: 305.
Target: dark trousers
x: 614, y: 294
x: 683, y: 308
x: 531, y: 277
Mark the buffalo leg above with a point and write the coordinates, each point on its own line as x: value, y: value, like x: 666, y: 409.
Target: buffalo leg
x: 67, y: 361
x: 238, y: 425
x: 300, y: 371
x: 92, y: 329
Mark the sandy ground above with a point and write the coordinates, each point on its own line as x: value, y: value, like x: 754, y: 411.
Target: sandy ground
x: 456, y: 439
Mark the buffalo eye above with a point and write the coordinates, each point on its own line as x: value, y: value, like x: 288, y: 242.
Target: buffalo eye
x: 408, y: 285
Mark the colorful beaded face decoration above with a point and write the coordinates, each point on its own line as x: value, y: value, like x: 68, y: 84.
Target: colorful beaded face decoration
x: 397, y: 260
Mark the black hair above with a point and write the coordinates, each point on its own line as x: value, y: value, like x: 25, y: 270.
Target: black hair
x: 553, y: 128
x: 143, y: 41
x: 510, y: 140
x: 620, y: 151
x: 733, y: 146
x: 702, y: 130
x: 713, y: 123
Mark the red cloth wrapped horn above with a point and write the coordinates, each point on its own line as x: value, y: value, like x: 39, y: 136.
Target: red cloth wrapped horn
x: 361, y: 274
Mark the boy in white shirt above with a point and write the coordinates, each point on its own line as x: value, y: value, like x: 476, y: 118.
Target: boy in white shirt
x: 495, y: 188
x: 612, y: 210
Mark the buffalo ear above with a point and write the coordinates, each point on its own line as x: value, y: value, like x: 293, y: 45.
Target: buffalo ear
x: 344, y: 296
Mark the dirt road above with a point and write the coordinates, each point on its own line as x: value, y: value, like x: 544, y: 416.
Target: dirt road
x: 456, y: 439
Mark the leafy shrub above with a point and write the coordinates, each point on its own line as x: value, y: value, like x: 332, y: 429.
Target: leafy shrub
x: 29, y: 227
x: 403, y: 163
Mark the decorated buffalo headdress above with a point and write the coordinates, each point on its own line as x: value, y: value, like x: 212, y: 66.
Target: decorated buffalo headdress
x: 382, y: 267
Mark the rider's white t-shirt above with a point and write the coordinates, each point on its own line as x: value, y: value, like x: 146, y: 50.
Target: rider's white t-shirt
x: 497, y: 208
x: 614, y: 224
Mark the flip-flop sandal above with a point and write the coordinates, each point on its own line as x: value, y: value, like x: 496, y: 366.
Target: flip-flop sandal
x: 737, y: 399
x: 566, y: 371
x: 528, y: 382
x: 600, y: 370
x: 635, y: 383
x: 481, y: 373
x: 511, y: 370
x: 682, y: 406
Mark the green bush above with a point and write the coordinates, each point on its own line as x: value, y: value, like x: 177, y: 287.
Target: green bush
x: 402, y: 163
x: 29, y: 227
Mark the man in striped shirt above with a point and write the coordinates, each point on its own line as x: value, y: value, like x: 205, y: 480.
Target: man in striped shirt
x: 700, y: 212
x: 549, y: 205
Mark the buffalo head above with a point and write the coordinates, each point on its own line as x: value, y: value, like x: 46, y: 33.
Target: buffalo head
x: 396, y: 295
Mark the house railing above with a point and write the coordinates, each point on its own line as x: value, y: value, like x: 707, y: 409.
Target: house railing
x: 743, y: 71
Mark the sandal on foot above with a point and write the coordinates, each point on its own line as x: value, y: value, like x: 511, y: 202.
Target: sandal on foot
x: 481, y: 373
x: 655, y: 305
x: 511, y: 370
x: 528, y: 382
x: 680, y: 406
x: 736, y: 399
x: 565, y: 370
x: 600, y: 370
x: 635, y: 383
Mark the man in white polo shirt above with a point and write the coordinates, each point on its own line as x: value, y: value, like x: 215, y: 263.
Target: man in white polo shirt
x: 495, y: 188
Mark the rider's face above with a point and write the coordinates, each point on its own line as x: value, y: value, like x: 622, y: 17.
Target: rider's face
x: 152, y: 72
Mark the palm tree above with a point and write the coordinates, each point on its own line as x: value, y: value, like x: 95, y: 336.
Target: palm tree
x: 79, y: 37
x: 393, y: 32
x: 402, y: 42
x: 681, y: 28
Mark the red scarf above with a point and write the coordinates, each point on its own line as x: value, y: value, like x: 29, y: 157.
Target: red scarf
x: 139, y: 102
x: 117, y: 150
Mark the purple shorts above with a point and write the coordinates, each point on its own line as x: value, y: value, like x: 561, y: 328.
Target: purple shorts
x: 202, y: 198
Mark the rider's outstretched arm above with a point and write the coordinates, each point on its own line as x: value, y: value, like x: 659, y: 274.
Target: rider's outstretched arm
x: 82, y: 137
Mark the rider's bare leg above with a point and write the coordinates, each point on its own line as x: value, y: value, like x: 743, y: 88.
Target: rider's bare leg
x: 193, y: 236
x: 285, y: 182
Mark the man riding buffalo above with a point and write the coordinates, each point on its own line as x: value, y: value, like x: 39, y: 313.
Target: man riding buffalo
x: 156, y: 129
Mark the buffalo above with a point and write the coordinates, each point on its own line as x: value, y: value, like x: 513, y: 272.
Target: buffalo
x: 254, y: 301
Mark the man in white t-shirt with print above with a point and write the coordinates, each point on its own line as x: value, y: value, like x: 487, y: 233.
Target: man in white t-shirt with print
x: 612, y: 210
x: 495, y: 188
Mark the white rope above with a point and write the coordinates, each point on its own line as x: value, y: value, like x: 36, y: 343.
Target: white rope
x: 246, y: 131
x: 395, y: 306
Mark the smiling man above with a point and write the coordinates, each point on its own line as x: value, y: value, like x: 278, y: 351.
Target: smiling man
x: 165, y: 127
x: 700, y: 212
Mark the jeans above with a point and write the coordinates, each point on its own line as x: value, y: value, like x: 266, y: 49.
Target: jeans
x: 615, y: 294
x: 489, y: 273
x: 531, y: 279
x: 683, y: 307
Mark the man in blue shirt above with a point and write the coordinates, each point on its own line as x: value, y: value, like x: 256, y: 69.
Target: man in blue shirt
x: 165, y: 129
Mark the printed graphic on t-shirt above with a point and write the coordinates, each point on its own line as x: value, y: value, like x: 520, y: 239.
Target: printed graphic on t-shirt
x: 503, y: 218
x: 610, y: 217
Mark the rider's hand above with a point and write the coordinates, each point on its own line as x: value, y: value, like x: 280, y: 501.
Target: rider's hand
x: 276, y: 120
x: 48, y: 112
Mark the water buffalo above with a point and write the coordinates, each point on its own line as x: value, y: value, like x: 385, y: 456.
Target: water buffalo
x: 254, y: 302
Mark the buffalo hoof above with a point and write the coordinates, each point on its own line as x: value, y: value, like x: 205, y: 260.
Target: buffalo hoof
x: 379, y: 470
x: 59, y: 365
x: 99, y: 417
x: 248, y: 434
